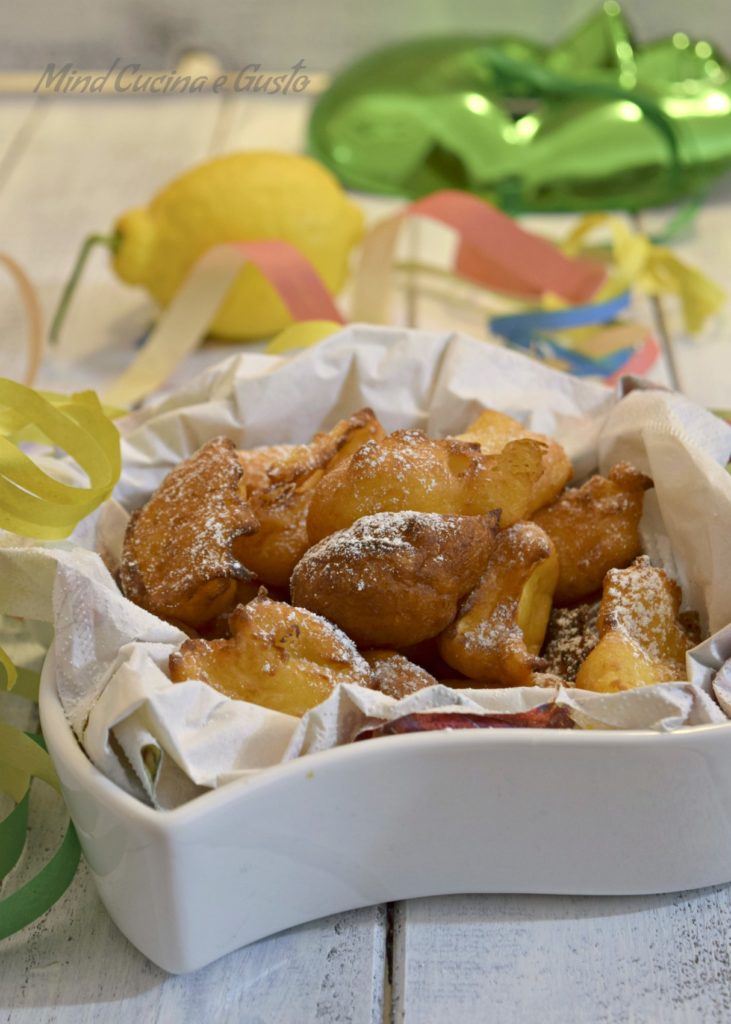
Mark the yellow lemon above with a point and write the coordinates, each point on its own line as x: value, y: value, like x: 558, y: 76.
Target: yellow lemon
x: 243, y: 197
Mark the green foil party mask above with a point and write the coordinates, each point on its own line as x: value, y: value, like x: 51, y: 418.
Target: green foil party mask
x: 594, y: 123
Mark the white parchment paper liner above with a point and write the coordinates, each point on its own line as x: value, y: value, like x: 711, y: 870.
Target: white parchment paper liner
x: 166, y: 742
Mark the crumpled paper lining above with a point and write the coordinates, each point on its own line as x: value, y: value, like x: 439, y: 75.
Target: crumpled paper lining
x: 350, y: 709
x: 166, y: 742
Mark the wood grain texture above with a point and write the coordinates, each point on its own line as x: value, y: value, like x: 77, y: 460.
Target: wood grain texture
x: 564, y: 959
x: 74, y: 967
x: 75, y: 167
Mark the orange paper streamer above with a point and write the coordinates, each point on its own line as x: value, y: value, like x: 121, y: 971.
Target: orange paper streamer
x: 34, y: 317
x: 494, y: 251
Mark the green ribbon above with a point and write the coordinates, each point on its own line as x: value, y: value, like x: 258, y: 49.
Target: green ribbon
x: 23, y: 757
x: 597, y: 121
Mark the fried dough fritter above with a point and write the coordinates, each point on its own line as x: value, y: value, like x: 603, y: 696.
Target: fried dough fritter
x: 281, y: 481
x: 396, y: 676
x: 409, y: 471
x: 257, y: 463
x: 642, y: 640
x: 595, y: 528
x: 278, y: 656
x: 395, y: 578
x: 500, y: 628
x: 177, y: 557
x: 492, y: 430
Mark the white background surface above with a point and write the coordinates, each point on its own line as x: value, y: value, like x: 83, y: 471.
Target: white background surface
x: 326, y: 34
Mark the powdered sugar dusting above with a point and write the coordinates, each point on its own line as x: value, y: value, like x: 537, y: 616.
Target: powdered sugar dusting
x: 379, y: 533
x: 292, y: 621
x: 570, y: 637
x: 395, y: 675
x: 643, y: 603
x: 182, y: 538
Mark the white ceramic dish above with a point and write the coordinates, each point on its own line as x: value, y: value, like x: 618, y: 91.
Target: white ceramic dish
x: 498, y: 811
x: 489, y: 811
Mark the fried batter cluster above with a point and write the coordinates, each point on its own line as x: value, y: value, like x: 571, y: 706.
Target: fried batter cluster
x: 595, y: 528
x: 396, y: 676
x: 395, y: 578
x: 492, y: 431
x: 278, y: 656
x: 177, y: 559
x: 499, y: 631
x: 281, y: 482
x: 465, y: 560
x: 642, y: 639
x: 409, y: 471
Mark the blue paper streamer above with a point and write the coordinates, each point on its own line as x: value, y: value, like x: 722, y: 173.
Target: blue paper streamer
x: 532, y: 332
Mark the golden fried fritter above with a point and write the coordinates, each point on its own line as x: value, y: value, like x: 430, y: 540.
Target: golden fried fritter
x: 395, y: 578
x: 281, y: 482
x: 258, y: 463
x: 492, y: 430
x: 410, y: 471
x: 595, y: 528
x: 278, y: 656
x: 395, y: 675
x: 501, y: 625
x: 642, y: 638
x: 177, y: 558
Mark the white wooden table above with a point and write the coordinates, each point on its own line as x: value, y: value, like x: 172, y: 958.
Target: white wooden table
x: 67, y: 168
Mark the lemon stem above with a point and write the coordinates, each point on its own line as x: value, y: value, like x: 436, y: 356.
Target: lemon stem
x: 111, y: 242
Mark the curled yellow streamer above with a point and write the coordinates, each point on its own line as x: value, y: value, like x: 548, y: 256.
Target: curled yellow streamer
x: 649, y: 268
x: 36, y: 504
x: 32, y: 503
x: 21, y: 755
x: 11, y: 672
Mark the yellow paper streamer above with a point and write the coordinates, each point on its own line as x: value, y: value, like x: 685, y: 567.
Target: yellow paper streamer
x: 22, y: 681
x: 181, y: 327
x: 32, y: 503
x: 21, y: 759
x: 25, y: 756
x: 652, y: 269
x: 11, y: 672
x: 14, y: 780
x: 302, y: 335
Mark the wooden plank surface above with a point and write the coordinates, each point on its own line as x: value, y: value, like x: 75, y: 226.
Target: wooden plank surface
x: 78, y: 167
x: 558, y: 959
x: 74, y: 967
x: 67, y: 168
